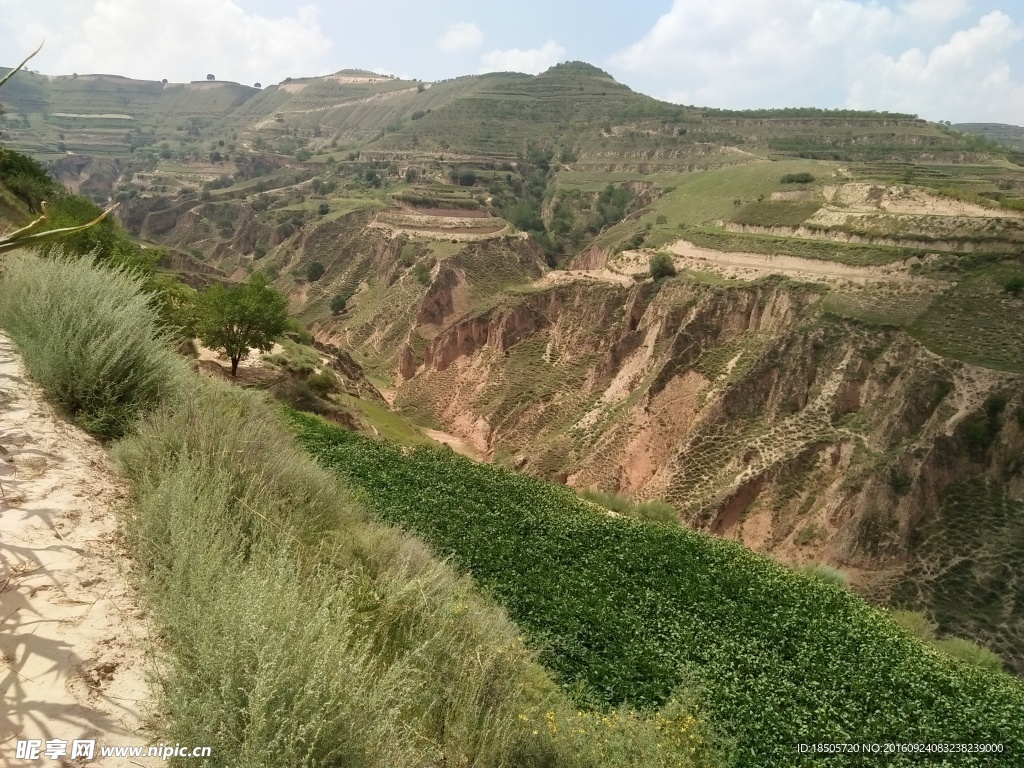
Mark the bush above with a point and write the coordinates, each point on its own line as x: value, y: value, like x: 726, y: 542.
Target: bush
x: 1014, y: 285
x: 797, y: 178
x: 323, y: 209
x: 662, y: 266
x: 338, y: 302
x: 297, y: 332
x: 90, y: 338
x: 315, y: 271
x: 421, y: 273
x: 323, y: 383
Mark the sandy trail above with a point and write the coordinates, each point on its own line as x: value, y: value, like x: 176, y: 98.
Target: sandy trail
x: 753, y: 265
x: 72, y: 634
x: 562, y: 276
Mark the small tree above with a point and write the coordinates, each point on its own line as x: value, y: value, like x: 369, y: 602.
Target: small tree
x: 338, y: 303
x: 661, y: 266
x: 315, y: 271
x: 323, y: 209
x: 210, y: 77
x: 240, y: 317
x: 257, y: 85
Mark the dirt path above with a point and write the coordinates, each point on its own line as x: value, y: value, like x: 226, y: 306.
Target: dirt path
x: 72, y: 664
x: 561, y: 276
x: 754, y: 265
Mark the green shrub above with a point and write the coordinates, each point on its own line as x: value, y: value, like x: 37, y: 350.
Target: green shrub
x: 323, y: 383
x: 315, y: 271
x: 797, y: 178
x: 297, y: 332
x: 662, y: 266
x: 900, y: 481
x: 338, y: 302
x: 90, y: 338
x: 657, y: 512
x: 421, y: 273
x: 1014, y: 285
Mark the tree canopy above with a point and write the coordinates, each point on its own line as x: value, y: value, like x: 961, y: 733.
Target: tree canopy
x: 239, y: 317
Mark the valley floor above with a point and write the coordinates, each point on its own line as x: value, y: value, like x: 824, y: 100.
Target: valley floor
x: 72, y: 633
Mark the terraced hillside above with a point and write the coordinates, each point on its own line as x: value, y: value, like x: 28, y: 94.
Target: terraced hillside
x: 834, y: 366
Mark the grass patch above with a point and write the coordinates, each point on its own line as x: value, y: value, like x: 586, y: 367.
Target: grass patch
x: 625, y: 612
x: 90, y: 338
x: 776, y: 213
x: 653, y: 511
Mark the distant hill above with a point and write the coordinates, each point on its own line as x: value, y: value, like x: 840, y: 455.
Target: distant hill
x: 1004, y: 133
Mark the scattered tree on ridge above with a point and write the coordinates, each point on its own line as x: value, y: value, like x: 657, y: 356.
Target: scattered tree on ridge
x: 210, y: 77
x: 240, y: 317
x: 661, y: 266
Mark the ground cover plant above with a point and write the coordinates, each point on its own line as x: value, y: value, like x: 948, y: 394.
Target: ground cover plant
x: 626, y: 611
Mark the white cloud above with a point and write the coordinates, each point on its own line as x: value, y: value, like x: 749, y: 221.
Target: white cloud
x: 968, y: 77
x: 185, y: 40
x: 461, y: 36
x: 772, y: 53
x: 531, y: 61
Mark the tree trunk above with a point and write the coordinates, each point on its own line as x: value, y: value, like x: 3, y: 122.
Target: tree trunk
x: 234, y: 365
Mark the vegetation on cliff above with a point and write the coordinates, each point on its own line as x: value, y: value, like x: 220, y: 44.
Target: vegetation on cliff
x: 627, y: 611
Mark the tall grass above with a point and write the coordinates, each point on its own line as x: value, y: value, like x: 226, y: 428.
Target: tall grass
x: 300, y: 632
x: 653, y: 511
x: 89, y: 337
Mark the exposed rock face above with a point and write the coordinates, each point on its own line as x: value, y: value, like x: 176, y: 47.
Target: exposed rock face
x: 755, y: 416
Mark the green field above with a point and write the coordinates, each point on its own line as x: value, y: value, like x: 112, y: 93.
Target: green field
x: 625, y: 611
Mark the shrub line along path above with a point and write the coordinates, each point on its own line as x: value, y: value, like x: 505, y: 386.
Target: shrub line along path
x: 72, y: 633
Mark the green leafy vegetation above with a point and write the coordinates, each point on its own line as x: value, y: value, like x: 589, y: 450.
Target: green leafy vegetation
x: 626, y: 611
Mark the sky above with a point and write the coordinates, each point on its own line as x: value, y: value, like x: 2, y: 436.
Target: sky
x: 957, y: 60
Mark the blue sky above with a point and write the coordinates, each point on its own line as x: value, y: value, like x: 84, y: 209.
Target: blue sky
x: 959, y: 60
